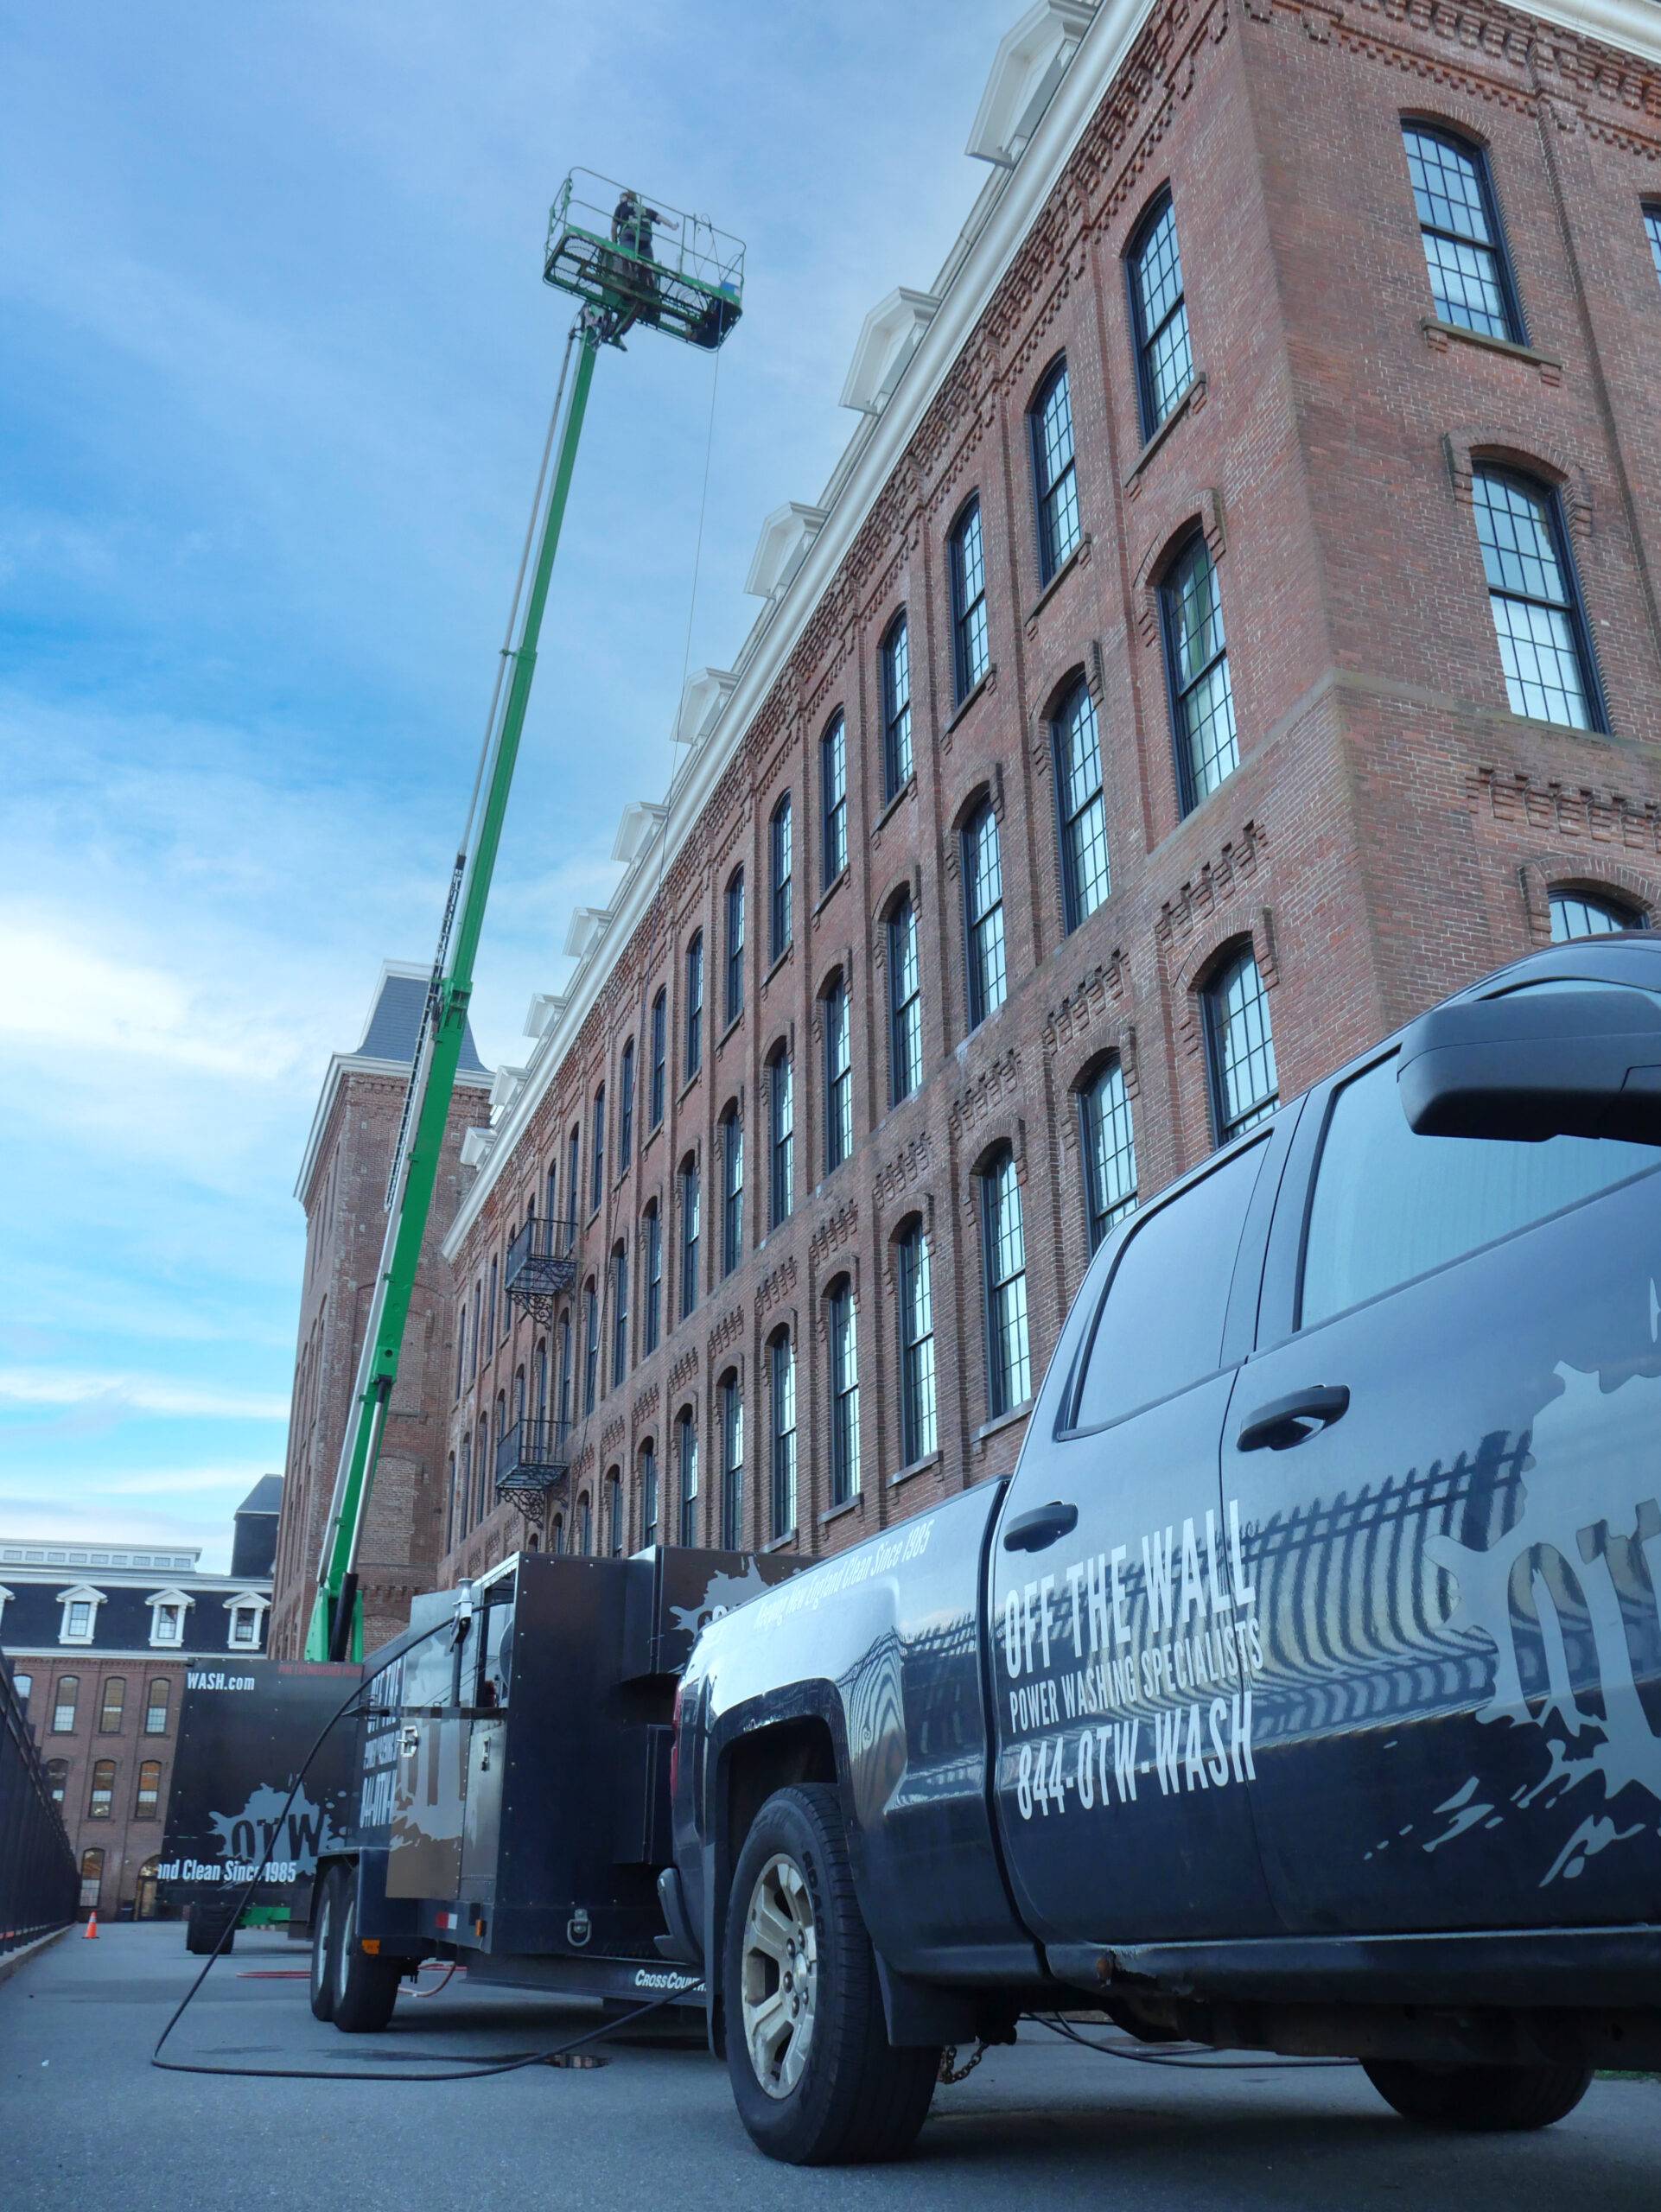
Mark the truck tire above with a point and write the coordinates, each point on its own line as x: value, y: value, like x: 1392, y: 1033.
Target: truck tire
x: 1480, y: 2099
x: 366, y: 1988
x: 814, y: 2076
x: 325, y: 1927
x: 205, y: 1926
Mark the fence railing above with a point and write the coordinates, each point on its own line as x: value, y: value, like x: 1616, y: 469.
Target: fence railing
x: 38, y: 1884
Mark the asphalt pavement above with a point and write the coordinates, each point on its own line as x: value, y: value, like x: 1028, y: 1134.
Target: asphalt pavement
x: 87, y: 2124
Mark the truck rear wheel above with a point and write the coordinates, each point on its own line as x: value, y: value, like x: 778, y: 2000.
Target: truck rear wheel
x: 365, y: 1987
x: 325, y: 1927
x: 815, y: 2078
x: 1488, y: 2099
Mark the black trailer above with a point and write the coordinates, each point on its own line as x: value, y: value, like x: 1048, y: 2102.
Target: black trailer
x: 246, y: 1728
x: 513, y: 1782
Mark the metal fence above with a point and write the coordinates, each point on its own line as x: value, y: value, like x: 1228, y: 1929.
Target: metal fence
x: 38, y: 1885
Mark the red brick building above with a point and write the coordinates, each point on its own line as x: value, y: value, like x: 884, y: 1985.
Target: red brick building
x: 342, y: 1186
x: 1232, y: 624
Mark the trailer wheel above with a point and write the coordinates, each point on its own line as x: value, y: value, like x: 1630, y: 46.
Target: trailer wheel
x: 815, y: 2078
x: 1486, y: 2098
x: 366, y: 1988
x: 325, y: 1922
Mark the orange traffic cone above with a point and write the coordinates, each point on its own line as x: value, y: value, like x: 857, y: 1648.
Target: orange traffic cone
x: 91, y: 1935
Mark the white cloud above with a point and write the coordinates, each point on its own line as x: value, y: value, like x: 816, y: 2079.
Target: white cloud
x: 135, y: 1394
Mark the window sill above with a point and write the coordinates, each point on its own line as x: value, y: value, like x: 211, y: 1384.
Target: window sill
x: 780, y: 1543
x: 1079, y: 554
x: 969, y: 697
x: 836, y: 1512
x: 990, y: 1429
x: 688, y: 1087
x: 651, y: 1138
x: 1438, y: 335
x: 917, y: 1467
x: 736, y: 1022
x: 830, y: 890
x: 907, y: 790
x: 1188, y: 400
x: 782, y: 960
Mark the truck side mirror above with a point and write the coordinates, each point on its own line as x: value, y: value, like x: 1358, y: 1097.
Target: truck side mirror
x: 1537, y: 1064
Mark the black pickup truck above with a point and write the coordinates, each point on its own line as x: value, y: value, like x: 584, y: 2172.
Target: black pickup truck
x: 1301, y: 1690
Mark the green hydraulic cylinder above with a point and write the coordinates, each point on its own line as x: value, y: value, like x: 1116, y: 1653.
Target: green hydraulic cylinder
x: 336, y: 1627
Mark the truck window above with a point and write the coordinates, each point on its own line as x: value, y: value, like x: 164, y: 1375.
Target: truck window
x: 1388, y: 1206
x: 1162, y: 1327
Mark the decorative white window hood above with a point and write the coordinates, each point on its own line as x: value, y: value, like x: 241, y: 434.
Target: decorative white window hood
x: 642, y: 819
x: 475, y: 1147
x: 1031, y: 59
x: 704, y: 694
x: 888, y: 337
x: 588, y: 925
x: 505, y: 1087
x: 786, y: 538
x: 545, y: 1010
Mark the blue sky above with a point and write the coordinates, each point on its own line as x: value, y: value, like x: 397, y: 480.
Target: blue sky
x: 274, y: 366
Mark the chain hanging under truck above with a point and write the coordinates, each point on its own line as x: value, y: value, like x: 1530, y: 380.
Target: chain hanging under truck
x: 631, y: 263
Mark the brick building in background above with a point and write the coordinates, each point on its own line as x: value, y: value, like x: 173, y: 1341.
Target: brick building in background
x: 98, y: 1637
x: 342, y: 1186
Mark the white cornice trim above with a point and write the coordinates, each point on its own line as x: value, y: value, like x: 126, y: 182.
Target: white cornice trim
x: 997, y: 227
x: 341, y: 1065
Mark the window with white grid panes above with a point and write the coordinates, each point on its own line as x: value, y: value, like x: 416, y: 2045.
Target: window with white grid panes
x: 781, y: 1135
x: 905, y: 1004
x: 833, y: 800
x: 735, y: 1005
x: 1241, y: 1048
x: 1082, y: 821
x: 896, y: 708
x: 1109, y: 1148
x: 1160, y: 311
x: 781, y: 1361
x: 983, y: 914
x: 732, y: 1465
x: 1202, y: 696
x: 1534, y: 600
x: 842, y: 1327
x: 916, y: 1348
x: 838, y: 1076
x: 1055, y: 477
x: 779, y: 879
x: 1459, y: 224
x: 968, y: 564
x: 1003, y: 1260
x: 732, y: 1190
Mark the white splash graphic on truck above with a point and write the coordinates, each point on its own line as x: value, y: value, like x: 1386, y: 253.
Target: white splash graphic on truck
x: 1579, y: 1515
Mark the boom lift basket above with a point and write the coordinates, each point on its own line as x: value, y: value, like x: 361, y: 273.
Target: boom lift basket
x: 637, y: 260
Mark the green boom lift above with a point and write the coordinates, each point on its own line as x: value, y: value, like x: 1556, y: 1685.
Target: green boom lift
x: 630, y: 262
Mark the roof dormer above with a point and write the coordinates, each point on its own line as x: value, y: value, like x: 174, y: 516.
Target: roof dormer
x: 1031, y: 59
x: 247, y: 1610
x: 169, y: 1609
x: 79, y: 1622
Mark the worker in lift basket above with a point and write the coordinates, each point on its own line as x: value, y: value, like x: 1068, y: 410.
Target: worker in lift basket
x: 632, y: 224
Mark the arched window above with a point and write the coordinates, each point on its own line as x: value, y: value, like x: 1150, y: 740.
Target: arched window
x: 779, y: 871
x: 615, y: 1533
x: 583, y: 1537
x: 1652, y: 231
x: 112, y: 1706
x: 477, y: 1323
x: 782, y: 1139
x: 590, y: 1344
x: 1080, y: 819
x: 916, y: 1348
x: 660, y: 1047
x: 565, y: 1369
x: 1535, y: 598
x: 732, y: 1463
x: 843, y: 1331
x: 556, y: 1537
x: 1003, y: 1263
x: 833, y: 800
x: 57, y: 1779
x: 732, y: 1190
x: 648, y: 1496
x: 551, y: 1208
x: 736, y: 946
x: 460, y: 1505
x: 461, y: 1345
x: 905, y: 1003
x: 781, y: 1358
x: 968, y: 566
x: 686, y: 1463
x: 450, y: 1538
x: 597, y: 1152
x: 1578, y: 913
x: 573, y: 1184
x: 1240, y: 1047
x: 540, y: 1368
x: 694, y: 1006
x: 619, y: 1313
x: 92, y: 1879
x: 147, y: 1805
x: 101, y: 1803
x: 895, y: 657
x: 652, y: 1320
x: 982, y: 884
x: 518, y: 1394
x: 1055, y: 478
x: 65, y: 1699
x: 1159, y: 314
x: 838, y: 1075
x: 1110, y: 1150
x: 689, y: 1235
x: 1459, y: 223
x: 1196, y: 654
x: 155, y: 1707
x: 625, y: 1108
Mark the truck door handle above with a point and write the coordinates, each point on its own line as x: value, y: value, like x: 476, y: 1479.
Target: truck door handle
x: 1285, y: 1421
x: 1035, y: 1531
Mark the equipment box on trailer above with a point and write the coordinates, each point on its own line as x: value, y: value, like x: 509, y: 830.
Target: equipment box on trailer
x: 514, y: 1763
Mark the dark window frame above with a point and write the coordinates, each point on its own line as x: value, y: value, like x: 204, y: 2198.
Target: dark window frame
x: 651, y: 1266
x: 975, y: 984
x: 904, y: 1014
x: 655, y: 1102
x: 833, y: 800
x: 735, y: 966
x: 1499, y: 244
x: 911, y: 1266
x: 619, y: 1313
x: 1175, y: 691
x: 1052, y: 556
x: 597, y: 1152
x: 781, y: 862
x: 1550, y: 497
x: 693, y: 1025
x: 625, y: 1109
x: 731, y: 1131
x: 837, y: 1016
x: 1143, y: 340
x: 965, y: 606
x: 781, y: 1137
x: 1224, y: 1128
x: 895, y: 645
x: 691, y: 1226
x: 1073, y: 913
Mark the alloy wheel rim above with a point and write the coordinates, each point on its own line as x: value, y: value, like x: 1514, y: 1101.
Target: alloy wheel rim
x: 320, y: 1947
x: 348, y: 1928
x: 779, y: 1975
